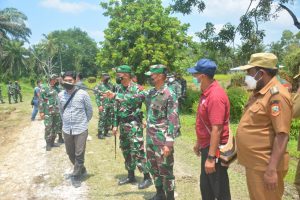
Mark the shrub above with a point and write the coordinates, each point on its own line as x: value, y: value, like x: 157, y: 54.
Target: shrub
x: 92, y: 79
x: 190, y: 103
x: 295, y: 127
x: 238, y: 98
x: 237, y: 80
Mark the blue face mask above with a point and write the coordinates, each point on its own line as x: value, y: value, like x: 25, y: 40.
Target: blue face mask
x: 196, y: 82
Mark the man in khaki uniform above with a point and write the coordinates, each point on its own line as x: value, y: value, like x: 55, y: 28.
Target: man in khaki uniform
x: 263, y: 131
x: 296, y: 114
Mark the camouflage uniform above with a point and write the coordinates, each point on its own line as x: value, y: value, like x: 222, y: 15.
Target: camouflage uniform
x: 10, y: 92
x: 1, y: 97
x: 128, y: 116
x: 162, y: 125
x: 175, y: 86
x: 17, y: 93
x: 106, y: 116
x: 49, y: 106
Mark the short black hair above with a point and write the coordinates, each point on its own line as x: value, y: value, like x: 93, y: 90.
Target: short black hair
x: 70, y: 73
x: 38, y: 81
x: 80, y: 76
x: 270, y: 72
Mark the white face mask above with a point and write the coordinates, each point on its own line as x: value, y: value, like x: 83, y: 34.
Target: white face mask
x: 251, y: 82
x: 171, y: 79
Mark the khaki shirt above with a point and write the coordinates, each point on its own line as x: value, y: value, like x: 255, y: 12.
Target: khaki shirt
x: 267, y: 113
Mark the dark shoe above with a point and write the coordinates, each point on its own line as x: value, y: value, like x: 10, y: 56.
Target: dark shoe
x: 54, y: 145
x: 107, y: 135
x: 145, y: 184
x: 48, y: 147
x: 160, y: 194
x: 101, y: 137
x: 170, y: 195
x: 129, y: 179
x: 60, y: 140
x: 76, y: 182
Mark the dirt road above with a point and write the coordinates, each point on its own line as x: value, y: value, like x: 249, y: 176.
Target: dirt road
x: 27, y: 171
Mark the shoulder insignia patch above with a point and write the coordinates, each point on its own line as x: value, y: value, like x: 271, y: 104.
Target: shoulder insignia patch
x: 274, y: 90
x: 275, y: 108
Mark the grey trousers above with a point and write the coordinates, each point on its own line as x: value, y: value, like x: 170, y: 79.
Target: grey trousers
x: 75, y: 147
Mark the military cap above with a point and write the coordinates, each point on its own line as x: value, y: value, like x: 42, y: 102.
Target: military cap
x: 124, y: 69
x: 264, y: 60
x: 53, y: 76
x: 156, y: 69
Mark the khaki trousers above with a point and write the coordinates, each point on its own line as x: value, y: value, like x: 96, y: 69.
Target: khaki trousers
x: 256, y: 188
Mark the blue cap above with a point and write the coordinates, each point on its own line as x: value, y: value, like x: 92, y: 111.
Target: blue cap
x: 204, y: 66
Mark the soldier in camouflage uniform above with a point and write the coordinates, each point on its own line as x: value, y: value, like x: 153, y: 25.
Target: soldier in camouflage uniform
x: 128, y: 116
x: 49, y: 111
x: 175, y: 85
x: 162, y: 125
x: 17, y: 93
x: 1, y: 97
x: 105, y: 106
x: 10, y: 92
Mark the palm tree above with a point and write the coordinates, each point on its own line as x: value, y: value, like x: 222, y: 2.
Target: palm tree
x: 12, y: 25
x: 14, y: 59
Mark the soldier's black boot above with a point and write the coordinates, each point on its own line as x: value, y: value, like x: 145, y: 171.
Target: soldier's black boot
x: 52, y: 143
x: 100, y: 135
x: 160, y: 194
x: 48, y: 146
x: 146, y: 182
x: 60, y: 138
x: 106, y: 134
x: 129, y: 179
x: 170, y: 195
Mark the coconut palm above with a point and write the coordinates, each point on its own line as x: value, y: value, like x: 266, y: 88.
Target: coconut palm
x: 12, y: 25
x: 14, y: 59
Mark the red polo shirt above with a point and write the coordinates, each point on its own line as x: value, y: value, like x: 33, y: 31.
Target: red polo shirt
x: 214, y: 109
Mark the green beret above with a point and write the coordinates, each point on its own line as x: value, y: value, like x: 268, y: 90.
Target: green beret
x: 124, y: 69
x: 156, y: 69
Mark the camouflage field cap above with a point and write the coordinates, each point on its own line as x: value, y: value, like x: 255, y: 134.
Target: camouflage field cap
x: 264, y: 60
x: 156, y: 69
x: 124, y: 69
x: 53, y: 76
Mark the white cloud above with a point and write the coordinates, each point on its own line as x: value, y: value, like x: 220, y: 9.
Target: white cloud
x: 69, y: 7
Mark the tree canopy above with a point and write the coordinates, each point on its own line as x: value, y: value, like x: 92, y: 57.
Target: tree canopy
x: 141, y: 33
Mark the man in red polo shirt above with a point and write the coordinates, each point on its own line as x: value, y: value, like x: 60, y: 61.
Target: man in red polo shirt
x: 212, y: 129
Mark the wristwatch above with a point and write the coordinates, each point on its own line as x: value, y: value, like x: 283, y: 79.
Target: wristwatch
x: 209, y: 157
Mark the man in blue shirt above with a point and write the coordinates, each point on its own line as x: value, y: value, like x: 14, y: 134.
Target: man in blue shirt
x: 35, y: 100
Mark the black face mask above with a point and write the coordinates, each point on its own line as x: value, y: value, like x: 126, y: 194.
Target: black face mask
x: 119, y: 79
x: 68, y: 86
x: 150, y: 81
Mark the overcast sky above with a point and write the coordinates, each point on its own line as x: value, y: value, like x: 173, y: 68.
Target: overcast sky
x: 45, y: 16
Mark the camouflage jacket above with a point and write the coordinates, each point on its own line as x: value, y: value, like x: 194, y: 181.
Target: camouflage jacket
x: 17, y: 87
x: 176, y: 87
x: 162, y: 116
x: 126, y: 108
x: 162, y: 113
x: 10, y: 89
x: 100, y: 100
x: 48, y: 103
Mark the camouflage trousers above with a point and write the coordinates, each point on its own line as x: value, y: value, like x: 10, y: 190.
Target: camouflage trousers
x: 161, y: 167
x: 132, y: 146
x: 13, y: 96
x: 18, y: 95
x: 53, y: 126
x: 105, y: 120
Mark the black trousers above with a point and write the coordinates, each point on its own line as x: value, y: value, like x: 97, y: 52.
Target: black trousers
x: 75, y: 147
x: 216, y: 185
